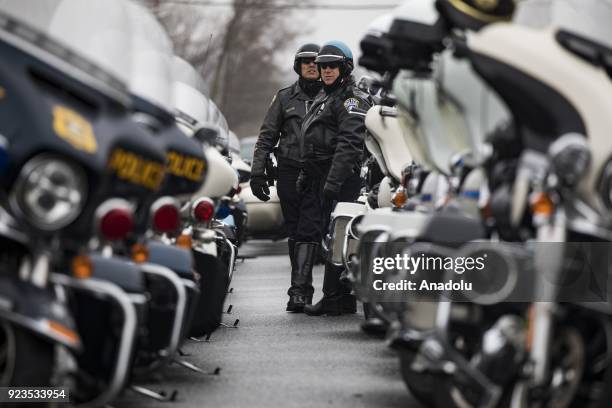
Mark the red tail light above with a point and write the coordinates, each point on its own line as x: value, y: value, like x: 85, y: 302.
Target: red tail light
x: 203, y: 210
x: 165, y: 215
x: 115, y: 219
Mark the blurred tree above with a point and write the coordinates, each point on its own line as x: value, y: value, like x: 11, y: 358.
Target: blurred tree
x: 236, y: 50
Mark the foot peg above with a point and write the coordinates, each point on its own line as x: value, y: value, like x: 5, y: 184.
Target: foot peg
x: 200, y: 340
x: 158, y: 396
x: 234, y: 326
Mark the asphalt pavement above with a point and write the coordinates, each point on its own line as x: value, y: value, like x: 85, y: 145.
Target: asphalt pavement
x: 279, y: 359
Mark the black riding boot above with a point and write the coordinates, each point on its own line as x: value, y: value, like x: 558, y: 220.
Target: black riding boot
x: 336, y: 296
x: 300, y: 293
x: 291, y: 245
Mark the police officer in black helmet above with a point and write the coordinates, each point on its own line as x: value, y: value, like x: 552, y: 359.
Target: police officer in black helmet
x: 282, y: 124
x: 333, y: 134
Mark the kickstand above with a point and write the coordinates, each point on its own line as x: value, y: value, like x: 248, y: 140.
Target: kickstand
x: 234, y: 326
x: 158, y: 396
x: 200, y: 340
x: 195, y: 368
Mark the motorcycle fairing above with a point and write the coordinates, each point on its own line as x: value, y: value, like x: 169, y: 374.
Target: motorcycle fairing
x: 53, y: 101
x: 186, y: 164
x: 36, y: 309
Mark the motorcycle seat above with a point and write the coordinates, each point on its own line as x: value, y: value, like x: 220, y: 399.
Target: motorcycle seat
x: 451, y: 229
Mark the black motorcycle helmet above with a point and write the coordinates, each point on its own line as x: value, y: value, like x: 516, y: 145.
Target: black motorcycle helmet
x: 475, y: 14
x: 337, y: 51
x: 305, y: 51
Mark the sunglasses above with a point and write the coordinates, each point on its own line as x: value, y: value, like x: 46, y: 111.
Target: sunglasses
x: 332, y: 65
x: 308, y: 61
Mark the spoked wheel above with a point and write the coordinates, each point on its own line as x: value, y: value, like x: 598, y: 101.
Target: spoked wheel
x: 567, y: 367
x: 420, y: 384
x: 25, y: 359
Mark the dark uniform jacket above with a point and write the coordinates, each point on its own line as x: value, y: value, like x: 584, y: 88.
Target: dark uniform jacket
x: 283, y: 121
x: 333, y: 136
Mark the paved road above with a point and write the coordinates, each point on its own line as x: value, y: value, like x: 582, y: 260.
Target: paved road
x: 277, y: 359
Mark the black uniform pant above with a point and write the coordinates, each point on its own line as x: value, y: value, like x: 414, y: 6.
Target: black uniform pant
x: 288, y: 172
x: 315, y: 211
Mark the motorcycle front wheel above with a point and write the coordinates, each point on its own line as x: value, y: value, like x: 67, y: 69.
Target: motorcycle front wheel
x: 26, y: 360
x: 420, y: 384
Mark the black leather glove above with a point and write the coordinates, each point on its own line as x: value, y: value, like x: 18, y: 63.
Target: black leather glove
x: 301, y: 183
x: 259, y: 187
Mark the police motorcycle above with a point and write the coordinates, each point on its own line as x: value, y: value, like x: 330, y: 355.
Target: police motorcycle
x: 440, y: 105
x: 155, y: 242
x: 237, y: 205
x: 71, y: 179
x: 161, y: 319
x: 554, y: 348
x: 213, y: 252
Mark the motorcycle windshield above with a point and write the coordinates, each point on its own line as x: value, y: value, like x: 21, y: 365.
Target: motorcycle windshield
x: 406, y: 91
x: 452, y: 113
x: 35, y: 13
x: 470, y: 109
x: 217, y: 118
x: 186, y: 95
x: 183, y: 71
x: 96, y: 30
x: 234, y: 142
x: 76, y: 39
x: 189, y: 101
x: 150, y: 77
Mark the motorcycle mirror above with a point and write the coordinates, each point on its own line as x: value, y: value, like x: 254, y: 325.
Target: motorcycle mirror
x: 206, y: 135
x: 364, y: 83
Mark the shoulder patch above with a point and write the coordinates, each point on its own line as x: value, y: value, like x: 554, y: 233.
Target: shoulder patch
x: 351, y: 103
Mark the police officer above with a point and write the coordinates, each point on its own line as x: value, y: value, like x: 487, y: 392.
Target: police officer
x: 282, y: 124
x: 333, y: 134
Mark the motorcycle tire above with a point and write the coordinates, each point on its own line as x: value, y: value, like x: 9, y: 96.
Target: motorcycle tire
x: 29, y: 359
x: 213, y: 289
x: 367, y: 312
x: 420, y: 384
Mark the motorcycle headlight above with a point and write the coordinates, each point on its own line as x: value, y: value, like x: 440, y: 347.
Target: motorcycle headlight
x: 570, y: 158
x: 49, y: 192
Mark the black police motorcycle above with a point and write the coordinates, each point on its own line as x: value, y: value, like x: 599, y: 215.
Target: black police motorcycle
x: 62, y: 187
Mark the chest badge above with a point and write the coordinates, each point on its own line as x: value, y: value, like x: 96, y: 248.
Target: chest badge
x: 351, y: 103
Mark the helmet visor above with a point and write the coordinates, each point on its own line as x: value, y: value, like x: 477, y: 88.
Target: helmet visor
x: 306, y: 54
x: 329, y: 58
